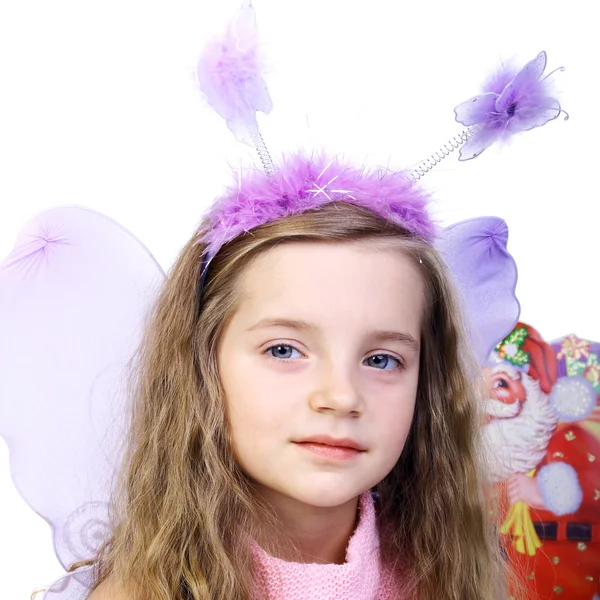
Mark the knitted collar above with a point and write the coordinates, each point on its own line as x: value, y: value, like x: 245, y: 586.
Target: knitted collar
x: 357, y: 579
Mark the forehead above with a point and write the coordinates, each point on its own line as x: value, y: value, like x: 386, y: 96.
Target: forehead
x: 336, y: 283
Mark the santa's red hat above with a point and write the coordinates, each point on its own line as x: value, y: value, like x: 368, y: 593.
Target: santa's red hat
x: 525, y: 349
x: 543, y: 365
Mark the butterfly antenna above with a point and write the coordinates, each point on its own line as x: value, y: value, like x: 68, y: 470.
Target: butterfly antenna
x: 436, y: 158
x: 553, y: 71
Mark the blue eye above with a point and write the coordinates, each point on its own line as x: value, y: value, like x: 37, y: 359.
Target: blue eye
x: 383, y: 362
x: 283, y: 352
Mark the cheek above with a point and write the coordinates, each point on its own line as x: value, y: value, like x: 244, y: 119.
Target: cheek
x: 257, y: 408
x: 393, y: 419
x: 394, y: 424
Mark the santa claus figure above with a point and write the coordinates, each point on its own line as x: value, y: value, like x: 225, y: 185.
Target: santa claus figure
x: 543, y: 448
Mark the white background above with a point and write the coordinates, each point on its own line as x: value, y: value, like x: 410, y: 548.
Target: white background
x: 99, y: 107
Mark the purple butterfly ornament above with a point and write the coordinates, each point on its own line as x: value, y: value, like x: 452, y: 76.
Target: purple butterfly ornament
x: 230, y: 75
x: 513, y: 103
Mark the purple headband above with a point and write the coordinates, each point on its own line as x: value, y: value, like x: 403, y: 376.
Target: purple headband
x: 305, y: 183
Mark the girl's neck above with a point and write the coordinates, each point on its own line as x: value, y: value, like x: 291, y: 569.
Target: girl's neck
x: 310, y: 534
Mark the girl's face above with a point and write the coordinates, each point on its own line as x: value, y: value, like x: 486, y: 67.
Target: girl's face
x: 325, y: 345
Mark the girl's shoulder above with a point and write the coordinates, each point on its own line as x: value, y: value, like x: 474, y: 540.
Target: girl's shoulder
x: 108, y: 590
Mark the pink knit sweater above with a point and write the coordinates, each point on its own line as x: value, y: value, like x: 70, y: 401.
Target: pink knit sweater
x: 361, y: 577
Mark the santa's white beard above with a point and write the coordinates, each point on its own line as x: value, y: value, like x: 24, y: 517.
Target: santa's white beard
x: 518, y: 444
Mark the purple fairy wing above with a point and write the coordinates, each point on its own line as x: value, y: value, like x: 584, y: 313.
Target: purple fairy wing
x: 72, y: 586
x: 476, y: 110
x: 74, y: 293
x: 485, y: 276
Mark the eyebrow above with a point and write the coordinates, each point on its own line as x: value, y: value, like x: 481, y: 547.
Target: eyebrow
x: 379, y: 335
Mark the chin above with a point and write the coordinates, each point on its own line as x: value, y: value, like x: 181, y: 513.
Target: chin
x: 329, y: 501
x: 327, y: 495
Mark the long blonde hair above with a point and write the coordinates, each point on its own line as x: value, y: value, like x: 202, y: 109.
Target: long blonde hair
x: 184, y: 505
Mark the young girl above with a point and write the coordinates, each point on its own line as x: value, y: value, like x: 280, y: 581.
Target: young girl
x: 306, y: 426
x: 305, y: 417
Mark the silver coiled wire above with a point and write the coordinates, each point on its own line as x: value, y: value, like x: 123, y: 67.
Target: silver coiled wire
x: 436, y: 158
x: 263, y: 153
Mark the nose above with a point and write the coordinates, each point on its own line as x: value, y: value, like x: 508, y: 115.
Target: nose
x: 505, y: 389
x: 337, y: 391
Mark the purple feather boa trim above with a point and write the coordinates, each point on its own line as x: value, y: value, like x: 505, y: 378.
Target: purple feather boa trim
x: 304, y: 183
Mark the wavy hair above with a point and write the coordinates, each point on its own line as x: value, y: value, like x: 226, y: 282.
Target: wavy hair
x: 184, y: 506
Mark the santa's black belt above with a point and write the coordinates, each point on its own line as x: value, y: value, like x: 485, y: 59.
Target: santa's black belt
x: 575, y: 532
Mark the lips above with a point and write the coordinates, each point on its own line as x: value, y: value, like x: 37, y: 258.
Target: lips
x: 326, y: 440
